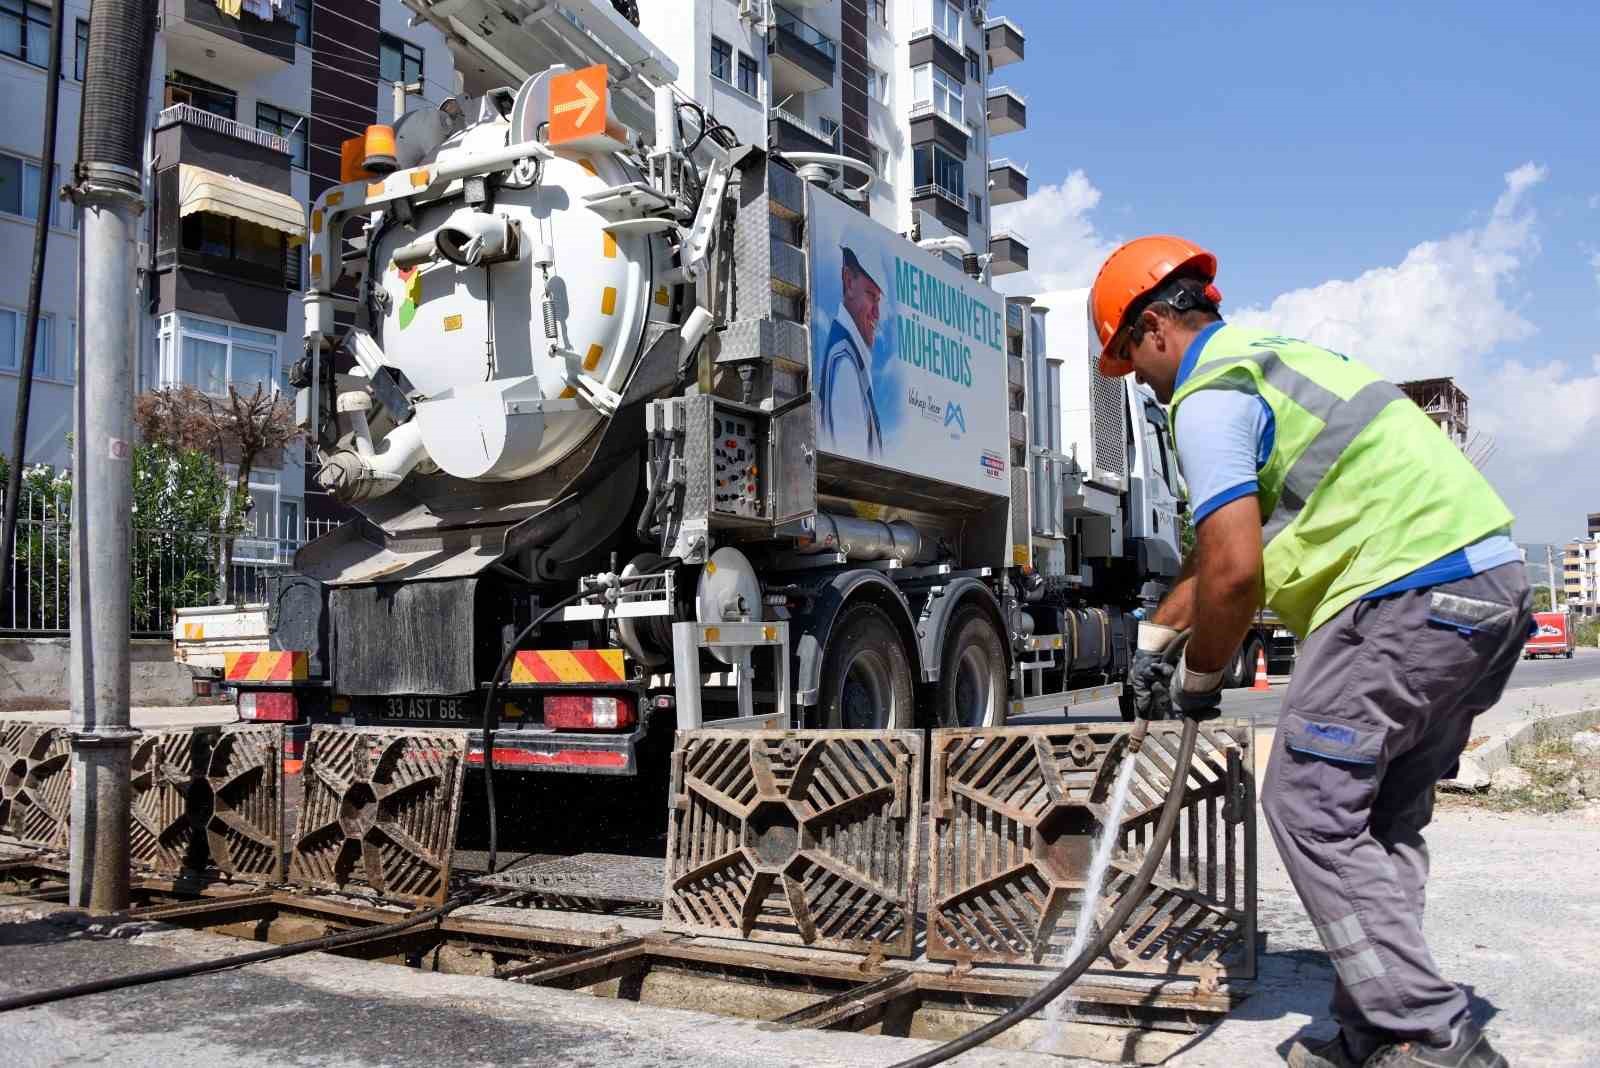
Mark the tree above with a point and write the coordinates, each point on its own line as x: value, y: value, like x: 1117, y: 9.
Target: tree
x: 1541, y: 598
x: 241, y: 429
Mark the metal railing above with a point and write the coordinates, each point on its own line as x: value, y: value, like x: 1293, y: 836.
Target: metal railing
x: 1003, y: 162
x: 926, y: 107
x: 1005, y: 233
x: 807, y: 34
x: 188, y: 113
x: 1006, y: 90
x: 800, y: 124
x: 170, y: 568
x: 934, y: 189
x: 994, y: 22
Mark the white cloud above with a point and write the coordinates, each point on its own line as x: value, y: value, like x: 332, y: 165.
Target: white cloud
x: 1445, y: 306
x: 1538, y: 412
x: 1065, y: 248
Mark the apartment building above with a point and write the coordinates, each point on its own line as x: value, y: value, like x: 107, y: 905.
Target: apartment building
x: 906, y: 86
x: 1580, y: 575
x: 249, y: 100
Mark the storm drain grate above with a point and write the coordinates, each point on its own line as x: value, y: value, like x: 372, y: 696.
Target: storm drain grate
x: 795, y: 836
x: 1017, y: 812
x: 35, y: 783
x: 206, y: 800
x: 378, y: 812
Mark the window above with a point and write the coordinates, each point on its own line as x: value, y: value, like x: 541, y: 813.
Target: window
x: 209, y: 97
x: 831, y: 128
x: 245, y: 249
x: 398, y: 61
x: 19, y: 192
x: 878, y: 11
x: 946, y: 18
x: 286, y: 123
x: 938, y: 170
x: 880, y: 161
x: 749, y: 76
x: 258, y: 543
x: 80, y: 49
x: 25, y: 31
x: 931, y: 85
x: 289, y: 520
x: 721, y: 60
x: 13, y: 325
x: 976, y: 207
x: 974, y: 67
x: 877, y: 84
x: 212, y: 356
x: 302, y: 22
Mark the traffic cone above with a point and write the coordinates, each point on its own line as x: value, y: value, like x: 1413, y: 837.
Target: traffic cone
x: 1261, y: 671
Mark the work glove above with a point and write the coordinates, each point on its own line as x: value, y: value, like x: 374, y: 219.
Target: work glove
x: 1150, y: 674
x: 1196, y: 695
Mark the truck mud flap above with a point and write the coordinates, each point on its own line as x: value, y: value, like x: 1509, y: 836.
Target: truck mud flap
x: 35, y: 783
x: 1016, y: 815
x: 207, y: 801
x: 378, y: 812
x: 805, y: 837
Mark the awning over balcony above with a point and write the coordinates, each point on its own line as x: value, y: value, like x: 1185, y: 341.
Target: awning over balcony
x: 200, y: 189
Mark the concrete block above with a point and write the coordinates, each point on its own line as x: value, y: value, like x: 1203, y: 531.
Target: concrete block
x: 35, y: 673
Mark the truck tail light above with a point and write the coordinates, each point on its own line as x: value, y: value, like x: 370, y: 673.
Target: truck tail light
x: 261, y: 707
x: 590, y: 712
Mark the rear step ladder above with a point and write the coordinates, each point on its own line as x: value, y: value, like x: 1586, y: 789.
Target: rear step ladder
x: 737, y: 640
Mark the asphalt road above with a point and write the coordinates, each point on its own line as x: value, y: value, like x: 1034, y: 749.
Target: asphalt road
x: 1265, y: 706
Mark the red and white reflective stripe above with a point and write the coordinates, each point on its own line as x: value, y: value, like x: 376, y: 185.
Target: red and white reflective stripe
x: 531, y: 758
x: 266, y: 707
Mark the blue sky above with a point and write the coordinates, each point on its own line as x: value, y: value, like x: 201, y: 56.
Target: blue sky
x: 1415, y: 184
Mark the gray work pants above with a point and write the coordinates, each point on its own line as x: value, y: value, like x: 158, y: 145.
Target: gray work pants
x: 1379, y: 710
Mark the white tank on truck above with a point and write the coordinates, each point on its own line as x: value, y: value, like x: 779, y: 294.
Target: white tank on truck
x: 650, y: 428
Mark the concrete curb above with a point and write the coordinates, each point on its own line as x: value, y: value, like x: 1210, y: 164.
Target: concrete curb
x: 1479, y: 764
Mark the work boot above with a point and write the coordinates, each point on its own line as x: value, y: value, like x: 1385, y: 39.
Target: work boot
x: 1331, y: 1053
x: 1469, y: 1049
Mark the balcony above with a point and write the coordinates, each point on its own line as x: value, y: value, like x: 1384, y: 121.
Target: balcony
x: 928, y: 123
x: 787, y: 132
x: 1008, y: 181
x: 207, y: 43
x: 1008, y: 110
x: 1004, y: 41
x: 946, y: 205
x: 1010, y: 252
x: 803, y: 57
x: 929, y: 45
x: 228, y: 233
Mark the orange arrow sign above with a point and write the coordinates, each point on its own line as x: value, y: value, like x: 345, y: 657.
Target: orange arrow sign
x: 578, y: 104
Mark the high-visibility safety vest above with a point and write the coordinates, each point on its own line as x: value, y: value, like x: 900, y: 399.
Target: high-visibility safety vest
x: 1361, y: 487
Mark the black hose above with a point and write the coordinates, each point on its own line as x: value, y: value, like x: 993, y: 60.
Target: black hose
x: 494, y: 686
x: 205, y: 967
x: 1068, y: 975
x: 488, y: 717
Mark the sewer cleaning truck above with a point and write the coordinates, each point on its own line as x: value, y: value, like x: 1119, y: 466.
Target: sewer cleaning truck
x: 649, y: 428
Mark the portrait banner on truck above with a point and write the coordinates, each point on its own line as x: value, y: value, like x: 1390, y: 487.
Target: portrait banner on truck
x: 908, y: 362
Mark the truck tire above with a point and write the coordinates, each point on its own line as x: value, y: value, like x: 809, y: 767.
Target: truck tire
x: 866, y: 675
x: 1241, y: 669
x: 971, y: 691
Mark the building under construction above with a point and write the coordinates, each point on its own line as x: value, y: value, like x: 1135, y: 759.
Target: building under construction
x: 1445, y: 403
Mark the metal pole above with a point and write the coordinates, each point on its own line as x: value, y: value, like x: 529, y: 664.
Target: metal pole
x: 109, y: 192
x: 41, y: 241
x: 101, y: 505
x: 1550, y: 571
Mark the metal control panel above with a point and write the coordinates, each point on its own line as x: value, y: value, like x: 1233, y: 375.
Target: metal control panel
x: 735, y: 470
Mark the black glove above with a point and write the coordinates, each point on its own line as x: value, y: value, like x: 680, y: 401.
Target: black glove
x: 1196, y: 696
x: 1150, y: 675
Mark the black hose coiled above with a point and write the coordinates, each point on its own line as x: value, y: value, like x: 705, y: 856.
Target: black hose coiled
x: 111, y: 126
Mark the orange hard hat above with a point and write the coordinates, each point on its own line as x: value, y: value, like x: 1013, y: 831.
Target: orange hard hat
x: 1131, y: 272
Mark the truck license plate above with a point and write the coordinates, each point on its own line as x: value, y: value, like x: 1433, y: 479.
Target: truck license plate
x: 450, y: 709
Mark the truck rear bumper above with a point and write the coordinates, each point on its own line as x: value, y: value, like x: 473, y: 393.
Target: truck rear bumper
x: 536, y: 750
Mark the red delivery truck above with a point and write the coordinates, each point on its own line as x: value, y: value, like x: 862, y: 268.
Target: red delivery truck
x: 1553, y: 637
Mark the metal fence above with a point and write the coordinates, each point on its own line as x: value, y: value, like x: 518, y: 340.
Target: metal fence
x: 170, y: 569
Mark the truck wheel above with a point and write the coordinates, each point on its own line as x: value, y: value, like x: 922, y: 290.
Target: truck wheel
x: 866, y: 675
x: 1235, y: 675
x: 972, y: 673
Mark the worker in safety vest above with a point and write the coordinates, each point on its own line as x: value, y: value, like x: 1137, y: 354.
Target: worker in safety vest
x: 1320, y: 488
